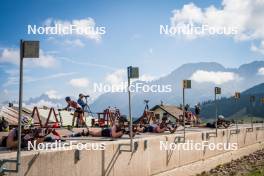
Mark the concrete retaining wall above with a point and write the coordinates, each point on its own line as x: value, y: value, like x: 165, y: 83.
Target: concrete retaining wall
x: 148, y: 159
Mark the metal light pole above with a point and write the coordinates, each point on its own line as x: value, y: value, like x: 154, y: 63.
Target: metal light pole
x: 28, y: 49
x: 130, y: 116
x: 20, y: 106
x: 237, y: 97
x: 132, y: 72
x: 252, y: 100
x: 186, y: 84
x: 217, y: 91
x: 262, y: 102
x: 183, y: 111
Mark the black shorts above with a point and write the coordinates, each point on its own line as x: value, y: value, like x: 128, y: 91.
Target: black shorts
x: 79, y: 110
x: 106, y: 132
x: 149, y: 129
x: 3, y: 142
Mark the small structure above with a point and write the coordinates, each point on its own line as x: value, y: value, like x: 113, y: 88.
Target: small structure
x: 172, y: 112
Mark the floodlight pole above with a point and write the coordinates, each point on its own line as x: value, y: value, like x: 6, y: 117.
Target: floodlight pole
x: 262, y: 102
x: 20, y: 107
x: 18, y: 157
x: 216, y: 113
x: 186, y: 84
x: 183, y: 111
x: 252, y: 116
x: 252, y: 99
x: 17, y: 161
x: 237, y: 97
x: 28, y: 49
x: 130, y: 115
x: 132, y: 72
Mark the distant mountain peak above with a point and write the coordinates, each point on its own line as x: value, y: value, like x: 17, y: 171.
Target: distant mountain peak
x: 251, y: 68
x: 258, y: 89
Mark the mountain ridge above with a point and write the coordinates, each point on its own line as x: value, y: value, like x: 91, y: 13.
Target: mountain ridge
x: 200, y: 91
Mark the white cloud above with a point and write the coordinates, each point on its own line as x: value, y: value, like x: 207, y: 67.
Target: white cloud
x: 261, y: 71
x: 76, y: 42
x: 189, y: 12
x: 53, y: 94
x: 79, y: 82
x: 246, y: 15
x: 259, y: 49
x: 42, y: 103
x: 218, y: 77
x: 45, y: 60
x: 11, y: 55
x: 67, y: 42
x: 87, y: 24
x: 117, y: 77
x: 147, y: 78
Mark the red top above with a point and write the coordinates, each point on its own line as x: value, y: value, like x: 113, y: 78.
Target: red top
x: 73, y: 104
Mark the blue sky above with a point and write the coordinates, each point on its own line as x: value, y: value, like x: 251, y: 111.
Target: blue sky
x: 132, y: 38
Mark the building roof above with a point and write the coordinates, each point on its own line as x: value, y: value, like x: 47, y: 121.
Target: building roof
x: 172, y: 110
x: 11, y: 114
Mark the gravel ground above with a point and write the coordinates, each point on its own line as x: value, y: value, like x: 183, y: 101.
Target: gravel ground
x: 251, y: 165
